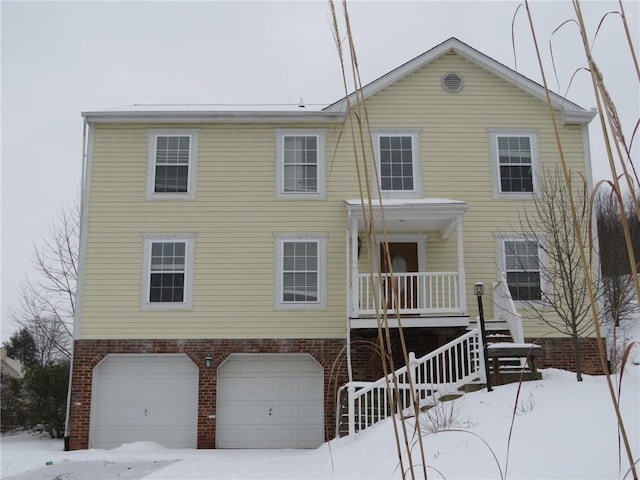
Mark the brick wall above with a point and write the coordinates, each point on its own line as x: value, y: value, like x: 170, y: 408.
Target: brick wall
x: 559, y: 353
x: 330, y: 353
x: 88, y: 353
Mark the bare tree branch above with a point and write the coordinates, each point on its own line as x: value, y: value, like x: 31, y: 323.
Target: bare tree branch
x: 47, y: 303
x: 564, y: 303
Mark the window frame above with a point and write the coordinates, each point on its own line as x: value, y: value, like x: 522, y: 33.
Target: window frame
x: 320, y: 194
x: 416, y: 148
x: 539, y: 239
x: 321, y: 241
x: 494, y: 135
x: 187, y: 300
x: 153, y: 135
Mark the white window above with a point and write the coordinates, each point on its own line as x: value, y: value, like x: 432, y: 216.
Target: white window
x: 520, y: 259
x: 300, y: 164
x: 300, y: 272
x: 514, y: 154
x: 172, y: 164
x: 398, y: 156
x: 168, y: 271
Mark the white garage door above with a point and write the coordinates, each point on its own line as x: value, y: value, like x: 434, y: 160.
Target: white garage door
x: 270, y: 401
x: 144, y: 398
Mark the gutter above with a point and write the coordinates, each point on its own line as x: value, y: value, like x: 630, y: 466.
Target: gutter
x: 186, y: 116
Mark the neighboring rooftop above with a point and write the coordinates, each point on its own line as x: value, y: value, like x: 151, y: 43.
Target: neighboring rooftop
x: 10, y: 366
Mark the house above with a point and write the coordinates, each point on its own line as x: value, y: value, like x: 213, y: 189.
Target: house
x: 9, y: 366
x: 224, y: 290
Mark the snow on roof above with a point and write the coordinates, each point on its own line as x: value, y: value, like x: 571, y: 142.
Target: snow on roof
x: 216, y: 107
x: 212, y: 113
x: 405, y: 202
x: 10, y: 366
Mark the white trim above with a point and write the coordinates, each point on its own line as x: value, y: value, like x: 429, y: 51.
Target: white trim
x: 494, y: 133
x: 586, y: 148
x: 539, y: 238
x: 153, y: 135
x: 187, y: 301
x: 321, y: 240
x: 167, y: 114
x: 416, y: 154
x: 461, y: 320
x: 83, y: 235
x: 320, y: 194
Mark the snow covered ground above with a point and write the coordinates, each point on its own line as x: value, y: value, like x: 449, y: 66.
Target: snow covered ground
x: 561, y: 429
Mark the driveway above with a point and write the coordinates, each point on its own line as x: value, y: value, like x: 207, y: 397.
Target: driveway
x: 94, y: 470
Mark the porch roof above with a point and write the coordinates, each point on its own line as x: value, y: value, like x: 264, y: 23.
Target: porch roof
x: 415, y: 214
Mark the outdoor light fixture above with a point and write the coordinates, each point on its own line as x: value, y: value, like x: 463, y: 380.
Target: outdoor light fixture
x: 478, y: 289
x: 208, y: 361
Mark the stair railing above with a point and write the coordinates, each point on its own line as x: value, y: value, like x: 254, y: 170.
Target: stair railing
x: 505, y: 308
x: 434, y: 375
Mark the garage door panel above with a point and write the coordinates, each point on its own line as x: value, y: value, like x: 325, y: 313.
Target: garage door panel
x: 144, y: 398
x: 270, y: 401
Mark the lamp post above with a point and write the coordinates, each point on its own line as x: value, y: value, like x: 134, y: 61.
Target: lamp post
x: 478, y: 289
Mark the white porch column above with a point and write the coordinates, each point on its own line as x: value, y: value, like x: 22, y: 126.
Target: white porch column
x: 353, y: 285
x: 462, y: 296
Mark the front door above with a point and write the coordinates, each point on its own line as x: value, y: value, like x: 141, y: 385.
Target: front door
x: 401, y: 258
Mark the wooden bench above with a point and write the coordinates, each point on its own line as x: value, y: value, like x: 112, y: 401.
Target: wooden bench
x: 530, y: 351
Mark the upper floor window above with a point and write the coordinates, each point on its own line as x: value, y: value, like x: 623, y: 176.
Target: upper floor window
x: 172, y: 163
x: 168, y: 266
x: 520, y: 259
x: 300, y: 271
x: 514, y: 156
x: 300, y: 164
x: 398, y: 162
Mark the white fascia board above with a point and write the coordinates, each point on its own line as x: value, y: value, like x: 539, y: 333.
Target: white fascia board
x: 429, y: 207
x: 573, y: 113
x: 211, y: 117
x: 579, y: 116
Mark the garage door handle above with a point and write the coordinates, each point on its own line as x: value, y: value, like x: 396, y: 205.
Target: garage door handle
x: 270, y: 410
x: 145, y: 412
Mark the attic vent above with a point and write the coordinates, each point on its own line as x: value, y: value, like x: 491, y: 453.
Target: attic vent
x: 452, y: 82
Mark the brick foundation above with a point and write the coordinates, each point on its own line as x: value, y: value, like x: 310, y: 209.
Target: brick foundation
x: 88, y: 353
x: 330, y: 353
x: 558, y: 353
x: 366, y: 362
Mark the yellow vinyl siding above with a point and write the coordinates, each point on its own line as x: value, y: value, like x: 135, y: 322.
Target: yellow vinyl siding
x: 235, y: 216
x: 235, y: 213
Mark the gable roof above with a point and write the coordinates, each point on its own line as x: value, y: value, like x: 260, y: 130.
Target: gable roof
x: 573, y: 113
x: 183, y: 113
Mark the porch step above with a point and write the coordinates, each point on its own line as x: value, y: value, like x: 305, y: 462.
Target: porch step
x: 489, y: 325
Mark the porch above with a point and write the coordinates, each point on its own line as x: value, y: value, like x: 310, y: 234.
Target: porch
x: 416, y: 249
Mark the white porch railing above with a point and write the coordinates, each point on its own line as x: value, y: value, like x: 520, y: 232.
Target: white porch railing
x: 412, y: 293
x: 432, y: 376
x: 505, y: 309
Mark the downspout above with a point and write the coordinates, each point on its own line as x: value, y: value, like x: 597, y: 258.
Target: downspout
x: 594, y: 228
x: 82, y: 192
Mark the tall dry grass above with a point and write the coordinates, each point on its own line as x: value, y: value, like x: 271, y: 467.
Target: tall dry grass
x: 623, y: 174
x: 621, y: 167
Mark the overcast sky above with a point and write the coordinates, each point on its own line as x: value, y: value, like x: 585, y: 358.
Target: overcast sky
x: 61, y: 58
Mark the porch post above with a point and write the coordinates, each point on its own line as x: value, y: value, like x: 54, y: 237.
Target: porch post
x: 351, y: 390
x: 462, y: 296
x: 354, y: 288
